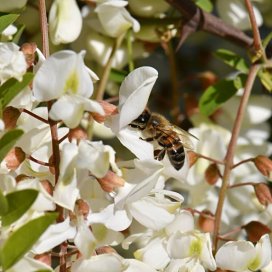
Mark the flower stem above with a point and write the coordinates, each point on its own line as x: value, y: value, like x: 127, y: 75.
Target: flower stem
x: 242, y: 162
x: 44, y: 28
x: 243, y: 184
x: 129, y: 50
x: 231, y: 148
x: 35, y: 116
x: 106, y: 72
x: 209, y: 159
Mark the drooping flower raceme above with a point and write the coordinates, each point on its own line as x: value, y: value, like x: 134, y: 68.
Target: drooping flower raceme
x: 244, y: 255
x: 12, y: 62
x: 65, y: 21
x: 63, y: 76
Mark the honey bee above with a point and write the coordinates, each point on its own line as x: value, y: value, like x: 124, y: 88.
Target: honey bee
x: 172, y: 139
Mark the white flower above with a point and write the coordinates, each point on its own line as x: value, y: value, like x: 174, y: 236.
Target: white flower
x: 102, y: 263
x: 235, y: 13
x: 72, y: 87
x: 244, y: 255
x: 115, y: 19
x: 12, y: 62
x: 140, y: 199
x: 133, y: 97
x: 8, y: 32
x: 65, y: 21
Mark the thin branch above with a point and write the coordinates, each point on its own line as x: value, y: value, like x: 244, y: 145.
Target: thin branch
x: 242, y: 162
x: 197, y: 19
x: 63, y: 138
x: 44, y: 28
x: 235, y: 230
x: 38, y: 161
x: 209, y: 159
x: 257, y: 41
x: 35, y: 116
x: 243, y: 184
x: 231, y: 148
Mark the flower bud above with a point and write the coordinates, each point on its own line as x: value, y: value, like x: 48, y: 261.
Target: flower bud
x: 10, y: 117
x: 264, y: 165
x: 193, y: 157
x: 77, y: 133
x: 83, y: 207
x: 255, y: 230
x: 29, y: 50
x: 110, y: 181
x: 206, y: 221
x: 109, y: 110
x: 44, y: 258
x: 263, y: 193
x: 212, y: 174
x: 14, y: 158
x: 105, y: 250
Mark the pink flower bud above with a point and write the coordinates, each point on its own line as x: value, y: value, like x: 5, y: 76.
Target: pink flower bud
x: 109, y: 110
x: 111, y: 181
x: 264, y: 165
x: 14, y: 158
x: 263, y: 193
x: 255, y: 230
x: 212, y: 174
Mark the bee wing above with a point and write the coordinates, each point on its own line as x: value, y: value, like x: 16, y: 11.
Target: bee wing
x: 185, y: 137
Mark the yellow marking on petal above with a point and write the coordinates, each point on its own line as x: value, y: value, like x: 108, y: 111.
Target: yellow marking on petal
x: 172, y: 208
x: 138, y: 254
x: 100, y: 231
x: 195, y: 248
x: 72, y: 83
x: 255, y: 264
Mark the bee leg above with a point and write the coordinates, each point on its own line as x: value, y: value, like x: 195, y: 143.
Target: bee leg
x: 149, y: 139
x: 159, y: 154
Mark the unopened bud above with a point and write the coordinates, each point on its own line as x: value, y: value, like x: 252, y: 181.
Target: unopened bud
x: 77, y: 133
x: 207, y: 79
x: 193, y: 157
x: 263, y: 193
x: 29, y: 50
x: 14, y: 158
x: 44, y: 258
x: 83, y: 207
x: 206, y: 221
x: 255, y: 230
x: 47, y: 186
x: 212, y: 174
x: 109, y: 109
x: 105, y: 250
x: 10, y: 117
x: 264, y: 165
x: 111, y: 181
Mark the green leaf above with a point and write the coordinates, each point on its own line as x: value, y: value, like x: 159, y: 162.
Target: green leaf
x: 232, y: 59
x: 205, y: 5
x: 266, y: 78
x: 18, y: 34
x: 18, y: 203
x: 3, y: 204
x: 12, y: 87
x: 23, y: 239
x: 266, y: 40
x: 8, y: 140
x: 117, y: 75
x: 6, y: 20
x: 216, y: 95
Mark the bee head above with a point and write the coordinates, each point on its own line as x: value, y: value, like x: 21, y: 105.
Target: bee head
x: 141, y: 121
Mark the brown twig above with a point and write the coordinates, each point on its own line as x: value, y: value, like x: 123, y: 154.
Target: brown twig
x: 231, y: 148
x: 243, y: 184
x: 38, y: 161
x: 242, y: 162
x: 35, y: 116
x: 209, y: 159
x: 44, y: 28
x: 196, y: 19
